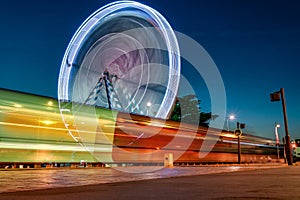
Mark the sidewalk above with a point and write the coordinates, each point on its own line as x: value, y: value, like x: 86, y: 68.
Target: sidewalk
x: 274, y: 183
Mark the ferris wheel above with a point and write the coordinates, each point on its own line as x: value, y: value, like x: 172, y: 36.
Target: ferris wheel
x: 125, y: 57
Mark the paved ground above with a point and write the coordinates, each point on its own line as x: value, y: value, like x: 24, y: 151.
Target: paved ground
x: 14, y: 180
x: 261, y: 183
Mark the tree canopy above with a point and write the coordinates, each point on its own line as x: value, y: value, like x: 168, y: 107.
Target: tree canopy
x: 188, y: 109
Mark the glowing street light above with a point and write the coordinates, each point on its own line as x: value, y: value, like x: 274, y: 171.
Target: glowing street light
x: 148, y: 107
x: 276, y: 132
x: 149, y: 104
x: 231, y: 117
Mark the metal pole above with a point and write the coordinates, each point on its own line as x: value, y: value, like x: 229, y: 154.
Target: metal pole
x: 287, y: 136
x: 239, y: 143
x: 278, y: 152
x: 239, y: 150
x: 227, y: 124
x: 284, y: 154
x: 277, y: 139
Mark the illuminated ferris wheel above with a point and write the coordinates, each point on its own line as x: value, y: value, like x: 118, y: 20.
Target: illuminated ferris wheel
x: 124, y: 57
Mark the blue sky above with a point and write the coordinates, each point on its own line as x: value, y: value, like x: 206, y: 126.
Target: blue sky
x: 255, y: 45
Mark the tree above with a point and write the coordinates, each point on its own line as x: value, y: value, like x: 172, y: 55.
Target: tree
x: 188, y: 108
x: 176, y: 115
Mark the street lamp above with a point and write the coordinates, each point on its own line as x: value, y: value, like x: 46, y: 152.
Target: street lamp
x: 148, y: 107
x: 277, y: 96
x: 277, y: 138
x: 231, y: 117
x: 276, y: 132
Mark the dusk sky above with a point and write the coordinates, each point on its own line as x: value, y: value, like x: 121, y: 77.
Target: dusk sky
x: 255, y: 45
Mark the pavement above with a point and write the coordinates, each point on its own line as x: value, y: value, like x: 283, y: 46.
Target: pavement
x: 258, y: 183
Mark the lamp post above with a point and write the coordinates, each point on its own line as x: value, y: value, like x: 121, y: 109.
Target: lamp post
x: 277, y: 96
x: 238, y: 133
x: 148, y: 107
x: 231, y: 117
x: 277, y: 138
